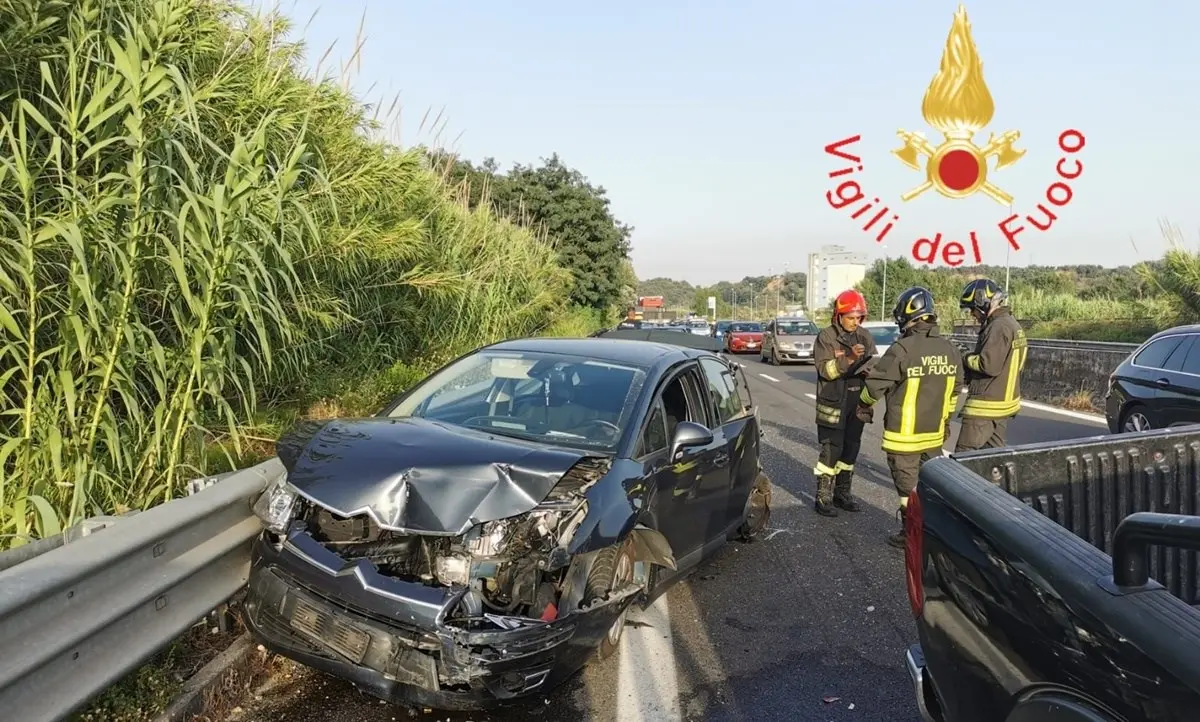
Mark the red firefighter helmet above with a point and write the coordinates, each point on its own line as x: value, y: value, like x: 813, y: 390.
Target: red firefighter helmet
x: 849, y: 302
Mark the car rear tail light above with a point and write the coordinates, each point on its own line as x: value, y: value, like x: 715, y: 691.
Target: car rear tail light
x: 913, y: 528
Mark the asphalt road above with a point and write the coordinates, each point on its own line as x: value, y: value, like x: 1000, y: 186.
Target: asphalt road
x: 810, y: 623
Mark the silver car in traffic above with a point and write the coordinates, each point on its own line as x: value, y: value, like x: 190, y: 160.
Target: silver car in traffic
x: 885, y: 334
x: 789, y: 339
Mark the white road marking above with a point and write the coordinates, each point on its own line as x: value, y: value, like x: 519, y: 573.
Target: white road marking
x: 811, y: 396
x: 1066, y: 412
x: 647, y: 686
x: 769, y: 378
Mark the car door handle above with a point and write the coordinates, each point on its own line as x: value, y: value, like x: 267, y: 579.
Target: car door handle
x: 1163, y: 382
x: 721, y: 459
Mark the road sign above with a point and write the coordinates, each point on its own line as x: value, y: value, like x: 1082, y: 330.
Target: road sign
x: 712, y: 303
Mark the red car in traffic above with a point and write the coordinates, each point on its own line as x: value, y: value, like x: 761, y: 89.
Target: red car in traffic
x: 743, y: 337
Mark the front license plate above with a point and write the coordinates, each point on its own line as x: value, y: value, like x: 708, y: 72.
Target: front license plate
x: 330, y: 631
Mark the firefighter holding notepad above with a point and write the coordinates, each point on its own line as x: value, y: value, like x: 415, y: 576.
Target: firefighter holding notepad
x: 841, y: 353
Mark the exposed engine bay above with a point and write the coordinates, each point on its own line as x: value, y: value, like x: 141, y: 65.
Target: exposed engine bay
x: 511, y: 567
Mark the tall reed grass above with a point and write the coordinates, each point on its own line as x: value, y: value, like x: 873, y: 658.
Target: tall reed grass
x: 191, y: 228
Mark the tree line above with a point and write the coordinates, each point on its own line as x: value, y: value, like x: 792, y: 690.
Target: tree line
x: 1081, y: 301
x: 560, y: 202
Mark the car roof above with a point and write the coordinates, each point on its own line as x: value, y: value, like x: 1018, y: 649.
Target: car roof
x: 878, y: 323
x: 1191, y: 328
x: 644, y: 354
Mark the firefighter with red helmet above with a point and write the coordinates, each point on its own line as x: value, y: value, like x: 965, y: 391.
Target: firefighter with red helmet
x: 840, y: 353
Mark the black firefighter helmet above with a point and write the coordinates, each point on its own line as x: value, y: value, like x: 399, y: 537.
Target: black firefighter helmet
x: 981, y: 295
x: 912, y: 305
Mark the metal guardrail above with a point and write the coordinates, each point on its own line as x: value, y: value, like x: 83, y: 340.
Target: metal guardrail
x: 76, y: 618
x: 12, y: 557
x: 1062, y: 343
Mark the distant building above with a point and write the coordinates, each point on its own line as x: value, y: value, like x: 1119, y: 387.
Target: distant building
x: 831, y: 270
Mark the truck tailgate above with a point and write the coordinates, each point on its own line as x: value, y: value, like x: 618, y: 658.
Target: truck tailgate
x: 1070, y: 630
x: 1088, y: 486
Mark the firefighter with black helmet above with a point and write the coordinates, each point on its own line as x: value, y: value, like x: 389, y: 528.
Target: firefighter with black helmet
x: 993, y: 369
x: 920, y: 374
x: 841, y: 352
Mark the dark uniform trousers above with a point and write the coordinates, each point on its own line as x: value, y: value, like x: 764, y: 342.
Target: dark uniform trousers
x: 977, y: 433
x: 905, y: 468
x: 840, y: 446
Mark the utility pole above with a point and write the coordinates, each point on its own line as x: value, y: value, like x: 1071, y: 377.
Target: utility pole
x: 782, y: 279
x: 1007, y: 262
x: 883, y: 300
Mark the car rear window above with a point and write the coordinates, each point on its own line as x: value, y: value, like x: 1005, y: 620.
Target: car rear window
x: 1155, y: 355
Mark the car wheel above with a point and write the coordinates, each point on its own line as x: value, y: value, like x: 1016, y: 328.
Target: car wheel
x: 758, y: 511
x: 1136, y: 419
x: 613, y: 569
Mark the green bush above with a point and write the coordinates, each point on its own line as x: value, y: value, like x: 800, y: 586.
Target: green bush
x: 1112, y: 331
x: 201, y: 243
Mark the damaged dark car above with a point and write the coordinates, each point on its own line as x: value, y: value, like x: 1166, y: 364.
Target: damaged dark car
x: 484, y: 536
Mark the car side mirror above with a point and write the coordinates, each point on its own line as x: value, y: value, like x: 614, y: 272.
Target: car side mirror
x: 689, y: 435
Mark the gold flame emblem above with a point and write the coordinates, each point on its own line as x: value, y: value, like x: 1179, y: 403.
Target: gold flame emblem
x: 958, y: 104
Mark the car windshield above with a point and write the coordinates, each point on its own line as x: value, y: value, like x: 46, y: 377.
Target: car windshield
x: 745, y: 328
x: 553, y: 398
x: 884, y: 334
x: 795, y: 328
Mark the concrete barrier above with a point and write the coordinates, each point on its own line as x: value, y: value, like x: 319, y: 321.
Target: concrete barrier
x: 1056, y: 369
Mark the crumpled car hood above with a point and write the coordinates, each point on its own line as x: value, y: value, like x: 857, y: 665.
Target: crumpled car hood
x: 419, y: 476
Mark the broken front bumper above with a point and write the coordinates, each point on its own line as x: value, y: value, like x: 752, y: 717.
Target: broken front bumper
x: 392, y: 637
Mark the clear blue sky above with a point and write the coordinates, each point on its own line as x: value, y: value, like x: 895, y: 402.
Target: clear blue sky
x: 706, y: 121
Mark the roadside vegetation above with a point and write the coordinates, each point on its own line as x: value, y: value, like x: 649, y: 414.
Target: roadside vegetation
x: 203, y: 243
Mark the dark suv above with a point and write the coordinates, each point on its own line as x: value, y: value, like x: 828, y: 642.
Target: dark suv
x: 1158, y: 385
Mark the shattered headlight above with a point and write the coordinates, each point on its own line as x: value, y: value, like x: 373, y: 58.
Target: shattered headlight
x: 787, y: 346
x: 276, y: 505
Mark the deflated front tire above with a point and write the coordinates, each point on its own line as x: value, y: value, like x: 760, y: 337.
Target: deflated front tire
x: 612, y: 569
x: 758, y: 511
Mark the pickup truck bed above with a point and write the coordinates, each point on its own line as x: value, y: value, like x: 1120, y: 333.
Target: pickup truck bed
x: 1018, y: 612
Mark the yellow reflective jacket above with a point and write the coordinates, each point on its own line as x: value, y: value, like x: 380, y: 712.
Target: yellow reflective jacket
x: 839, y: 379
x: 920, y: 374
x: 994, y: 368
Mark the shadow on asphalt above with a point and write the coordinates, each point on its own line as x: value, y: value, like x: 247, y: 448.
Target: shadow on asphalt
x: 865, y: 469
x: 784, y: 616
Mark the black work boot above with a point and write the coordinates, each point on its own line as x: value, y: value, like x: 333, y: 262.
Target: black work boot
x: 841, y: 492
x: 824, y: 505
x: 900, y: 538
